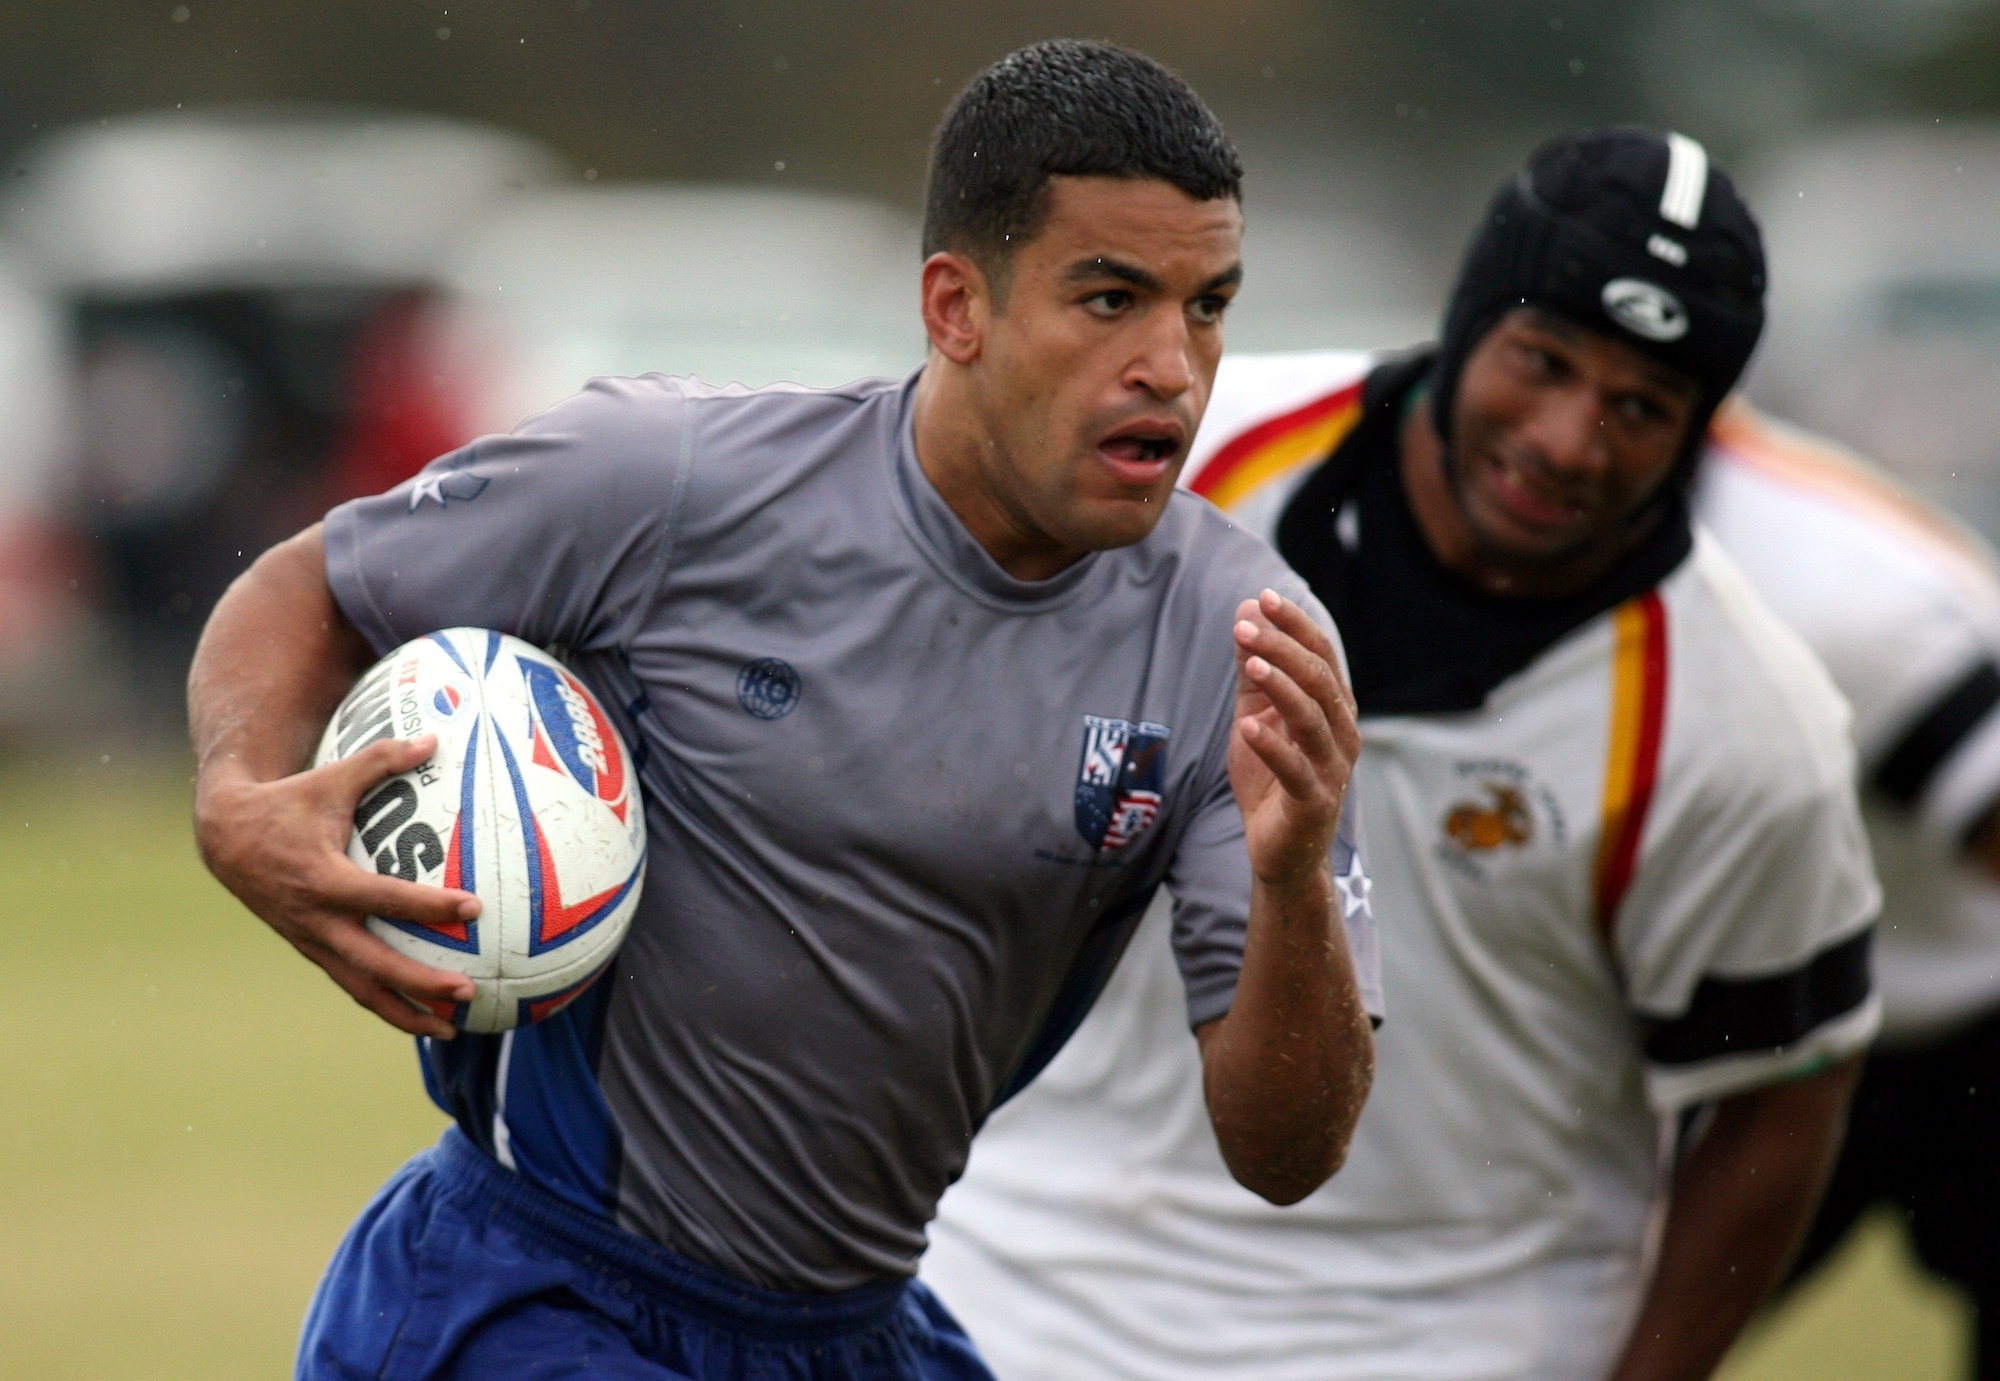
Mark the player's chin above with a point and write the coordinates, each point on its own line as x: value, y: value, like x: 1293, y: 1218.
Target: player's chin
x: 1105, y: 523
x: 1506, y: 533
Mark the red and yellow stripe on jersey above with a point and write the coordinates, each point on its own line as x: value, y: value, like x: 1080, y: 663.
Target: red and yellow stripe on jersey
x: 1632, y: 758
x: 1741, y: 435
x: 1277, y: 446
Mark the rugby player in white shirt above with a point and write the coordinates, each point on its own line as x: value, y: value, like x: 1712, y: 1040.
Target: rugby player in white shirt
x: 1624, y: 892
x: 1903, y: 606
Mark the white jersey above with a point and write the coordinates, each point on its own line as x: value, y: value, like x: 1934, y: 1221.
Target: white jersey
x: 1633, y: 880
x: 1903, y: 606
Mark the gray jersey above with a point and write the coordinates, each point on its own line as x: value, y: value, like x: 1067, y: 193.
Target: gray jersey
x: 904, y: 809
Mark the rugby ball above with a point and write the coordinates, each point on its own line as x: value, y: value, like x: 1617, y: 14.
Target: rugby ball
x: 529, y: 803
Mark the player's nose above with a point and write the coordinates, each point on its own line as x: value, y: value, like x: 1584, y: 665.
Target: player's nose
x: 1163, y: 366
x: 1567, y: 432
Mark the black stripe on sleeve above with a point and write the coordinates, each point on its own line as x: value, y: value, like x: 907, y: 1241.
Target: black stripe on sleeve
x: 1916, y: 757
x: 1745, y: 1016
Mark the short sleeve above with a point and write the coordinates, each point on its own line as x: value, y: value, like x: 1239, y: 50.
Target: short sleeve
x: 1942, y: 764
x: 552, y: 533
x: 1210, y: 881
x: 1745, y: 944
x: 1901, y: 603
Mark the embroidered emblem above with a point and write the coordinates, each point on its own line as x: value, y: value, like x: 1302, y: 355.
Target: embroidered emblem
x: 1119, y: 781
x: 1645, y: 309
x: 768, y: 688
x: 1502, y: 819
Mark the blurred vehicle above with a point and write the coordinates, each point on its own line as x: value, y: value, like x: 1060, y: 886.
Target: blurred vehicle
x: 242, y: 290
x: 731, y: 285
x: 754, y: 287
x: 1327, y: 283
x: 44, y: 622
x: 1885, y: 302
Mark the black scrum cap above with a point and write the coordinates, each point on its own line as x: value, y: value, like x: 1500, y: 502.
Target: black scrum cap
x: 1627, y: 232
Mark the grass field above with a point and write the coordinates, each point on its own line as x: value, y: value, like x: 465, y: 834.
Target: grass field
x: 191, y: 1117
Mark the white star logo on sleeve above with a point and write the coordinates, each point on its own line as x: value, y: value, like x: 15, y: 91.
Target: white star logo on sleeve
x: 1353, y: 886
x: 446, y: 485
x: 428, y: 486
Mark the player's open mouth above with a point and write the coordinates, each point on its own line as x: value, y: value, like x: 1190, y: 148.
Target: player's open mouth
x: 1529, y: 500
x: 1139, y: 455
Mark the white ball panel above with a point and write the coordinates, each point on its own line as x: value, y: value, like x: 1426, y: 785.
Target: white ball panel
x: 559, y: 887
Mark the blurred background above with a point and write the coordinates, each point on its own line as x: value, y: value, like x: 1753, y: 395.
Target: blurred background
x: 255, y: 259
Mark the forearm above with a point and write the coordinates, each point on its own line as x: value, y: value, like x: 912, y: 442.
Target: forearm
x: 273, y: 662
x: 1287, y: 1070
x: 1742, y: 1201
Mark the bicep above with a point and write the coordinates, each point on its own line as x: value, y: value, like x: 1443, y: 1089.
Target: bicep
x: 274, y: 659
x: 1798, y: 1114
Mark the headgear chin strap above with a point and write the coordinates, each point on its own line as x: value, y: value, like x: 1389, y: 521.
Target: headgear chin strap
x: 1628, y: 233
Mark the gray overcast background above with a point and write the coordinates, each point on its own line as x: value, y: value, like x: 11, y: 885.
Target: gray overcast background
x: 240, y: 320
x: 1413, y: 106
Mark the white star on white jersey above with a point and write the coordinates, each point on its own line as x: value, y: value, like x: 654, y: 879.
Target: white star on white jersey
x: 1353, y: 886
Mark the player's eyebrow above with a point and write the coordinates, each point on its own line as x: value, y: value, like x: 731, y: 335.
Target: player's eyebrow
x: 1228, y: 278
x: 1084, y: 270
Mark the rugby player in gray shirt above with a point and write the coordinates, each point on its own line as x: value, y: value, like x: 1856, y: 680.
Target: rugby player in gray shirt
x: 931, y: 685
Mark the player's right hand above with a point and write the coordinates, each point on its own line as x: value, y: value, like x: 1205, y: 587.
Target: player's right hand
x: 281, y: 847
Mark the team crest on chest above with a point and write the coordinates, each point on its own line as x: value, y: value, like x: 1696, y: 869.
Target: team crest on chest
x: 1120, y: 779
x: 1498, y: 809
x: 1503, y: 818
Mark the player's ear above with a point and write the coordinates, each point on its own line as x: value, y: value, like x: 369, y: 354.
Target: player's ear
x: 958, y: 304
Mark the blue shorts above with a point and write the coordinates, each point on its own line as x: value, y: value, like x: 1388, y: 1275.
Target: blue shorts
x: 459, y: 1269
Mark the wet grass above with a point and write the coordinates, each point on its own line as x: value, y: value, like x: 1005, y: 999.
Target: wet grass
x: 191, y: 1115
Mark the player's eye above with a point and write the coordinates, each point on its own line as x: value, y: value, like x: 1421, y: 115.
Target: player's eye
x: 1108, y: 303
x: 1543, y: 364
x: 1208, y: 310
x: 1637, y: 410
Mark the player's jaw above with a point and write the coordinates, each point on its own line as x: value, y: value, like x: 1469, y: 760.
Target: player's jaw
x: 1106, y: 486
x: 1517, y: 503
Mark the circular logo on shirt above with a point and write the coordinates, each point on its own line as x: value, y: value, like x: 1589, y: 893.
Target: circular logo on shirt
x: 1496, y: 816
x: 768, y: 688
x: 1645, y: 309
x: 1497, y: 819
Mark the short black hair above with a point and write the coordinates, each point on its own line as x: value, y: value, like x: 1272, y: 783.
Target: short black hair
x: 1064, y: 108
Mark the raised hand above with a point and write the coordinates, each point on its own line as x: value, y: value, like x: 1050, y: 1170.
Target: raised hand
x: 1295, y: 739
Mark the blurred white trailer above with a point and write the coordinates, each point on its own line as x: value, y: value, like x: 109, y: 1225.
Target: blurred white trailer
x: 1322, y: 282
x: 43, y: 574
x: 261, y: 197
x: 1885, y: 302
x: 729, y: 284
x: 240, y: 289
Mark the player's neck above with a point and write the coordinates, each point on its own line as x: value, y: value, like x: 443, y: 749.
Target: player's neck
x: 957, y: 453
x: 1441, y: 518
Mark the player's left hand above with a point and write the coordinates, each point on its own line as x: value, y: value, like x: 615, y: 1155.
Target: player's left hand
x: 1295, y: 739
